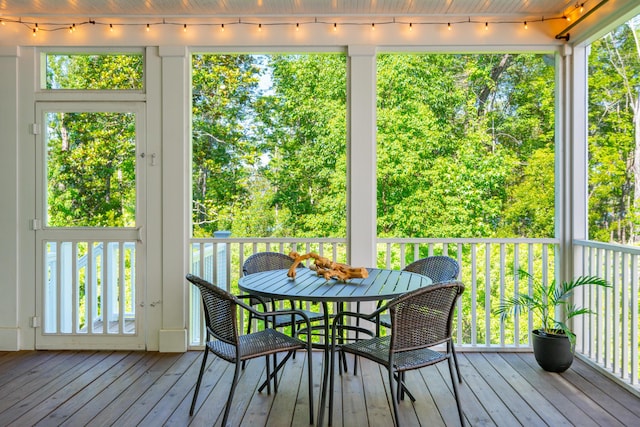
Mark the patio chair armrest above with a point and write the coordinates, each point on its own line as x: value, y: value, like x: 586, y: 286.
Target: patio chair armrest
x: 249, y: 296
x: 264, y: 315
x: 365, y: 316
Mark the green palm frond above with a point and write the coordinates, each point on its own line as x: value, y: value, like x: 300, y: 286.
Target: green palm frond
x: 547, y: 299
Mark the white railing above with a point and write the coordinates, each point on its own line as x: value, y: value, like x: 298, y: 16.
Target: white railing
x: 89, y: 288
x: 609, y: 337
x: 488, y: 270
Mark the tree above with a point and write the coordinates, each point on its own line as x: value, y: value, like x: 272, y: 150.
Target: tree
x: 225, y: 89
x: 614, y: 135
x: 303, y: 136
x: 454, y: 133
x: 91, y: 157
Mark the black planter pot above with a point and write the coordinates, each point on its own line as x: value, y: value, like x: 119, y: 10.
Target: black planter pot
x: 553, y: 352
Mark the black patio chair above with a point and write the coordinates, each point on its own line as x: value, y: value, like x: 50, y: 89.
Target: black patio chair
x: 266, y: 261
x: 420, y: 320
x: 225, y: 341
x: 439, y: 268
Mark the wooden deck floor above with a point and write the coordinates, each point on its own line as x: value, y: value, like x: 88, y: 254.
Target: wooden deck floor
x: 150, y: 389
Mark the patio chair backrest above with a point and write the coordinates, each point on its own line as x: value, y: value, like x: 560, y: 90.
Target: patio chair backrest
x: 423, y: 318
x: 439, y: 268
x: 220, y: 308
x: 265, y: 261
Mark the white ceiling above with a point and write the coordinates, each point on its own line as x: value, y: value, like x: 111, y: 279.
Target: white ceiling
x: 497, y: 9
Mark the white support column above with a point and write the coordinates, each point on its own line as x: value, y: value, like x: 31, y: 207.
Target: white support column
x: 175, y: 196
x: 576, y: 183
x: 154, y: 221
x: 9, y: 218
x: 361, y: 171
x: 578, y: 149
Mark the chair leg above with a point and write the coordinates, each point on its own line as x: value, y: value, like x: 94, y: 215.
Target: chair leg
x: 197, y: 389
x: 404, y: 389
x: 394, y: 397
x: 455, y: 360
x: 249, y: 320
x: 268, y: 374
x: 455, y: 391
x: 275, y: 371
x: 332, y: 373
x: 227, y: 408
x: 310, y: 381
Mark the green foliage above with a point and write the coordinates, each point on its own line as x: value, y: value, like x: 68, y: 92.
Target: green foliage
x: 91, y: 169
x: 614, y: 135
x: 91, y: 157
x: 530, y: 198
x: 224, y: 150
x: 98, y: 72
x: 304, y: 133
x: 454, y: 134
x: 269, y: 148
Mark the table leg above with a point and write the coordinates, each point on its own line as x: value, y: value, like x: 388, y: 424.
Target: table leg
x: 325, y: 366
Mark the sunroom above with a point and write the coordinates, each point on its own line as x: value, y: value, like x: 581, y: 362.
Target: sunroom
x: 80, y: 280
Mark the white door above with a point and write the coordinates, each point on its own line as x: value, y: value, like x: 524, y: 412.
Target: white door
x: 89, y: 223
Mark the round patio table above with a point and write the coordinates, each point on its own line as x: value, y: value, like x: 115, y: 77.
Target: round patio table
x: 381, y: 284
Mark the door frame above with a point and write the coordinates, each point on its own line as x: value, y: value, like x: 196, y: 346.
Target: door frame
x: 92, y: 235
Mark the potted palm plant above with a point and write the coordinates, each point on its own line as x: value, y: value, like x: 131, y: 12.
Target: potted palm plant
x: 553, y: 341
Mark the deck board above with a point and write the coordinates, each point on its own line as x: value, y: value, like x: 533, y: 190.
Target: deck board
x: 103, y: 388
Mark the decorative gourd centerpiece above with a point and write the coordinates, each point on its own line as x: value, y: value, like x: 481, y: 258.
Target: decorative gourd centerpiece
x: 327, y: 268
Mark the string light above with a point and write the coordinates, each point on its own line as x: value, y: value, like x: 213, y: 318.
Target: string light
x: 35, y: 30
x: 71, y: 27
